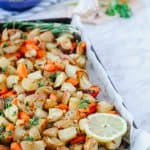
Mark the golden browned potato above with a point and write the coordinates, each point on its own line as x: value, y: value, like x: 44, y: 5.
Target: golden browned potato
x: 51, y: 132
x: 65, y: 123
x: 67, y: 134
x: 73, y: 103
x: 40, y: 113
x: 50, y: 104
x: 47, y: 36
x: 104, y: 107
x: 76, y: 147
x: 20, y: 133
x: 33, y: 145
x: 54, y: 114
x: 42, y: 124
x: 91, y: 144
x: 53, y: 142
x: 34, y: 132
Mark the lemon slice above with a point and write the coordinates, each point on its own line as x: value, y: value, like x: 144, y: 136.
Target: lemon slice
x: 105, y: 127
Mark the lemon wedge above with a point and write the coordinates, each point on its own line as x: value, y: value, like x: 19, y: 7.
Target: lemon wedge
x: 105, y: 127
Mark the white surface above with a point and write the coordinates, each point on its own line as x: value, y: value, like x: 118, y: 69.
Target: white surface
x: 124, y: 48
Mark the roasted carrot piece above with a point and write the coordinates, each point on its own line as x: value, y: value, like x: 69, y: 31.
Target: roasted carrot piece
x: 22, y: 70
x: 92, y: 108
x: 24, y: 116
x: 50, y: 67
x: 14, y: 101
x: 62, y: 106
x: 10, y: 126
x: 15, y: 146
x: 53, y: 97
x: 41, y: 53
x: 113, y: 112
x: 59, y: 66
x: 3, y: 90
x: 8, y: 94
x: 73, y: 81
x: 78, y: 140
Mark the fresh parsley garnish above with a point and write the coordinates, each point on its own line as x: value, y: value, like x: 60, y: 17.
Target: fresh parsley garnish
x: 23, y: 36
x: 122, y: 9
x: 41, y: 83
x: 8, y: 102
x: 84, y: 104
x: 4, y: 69
x: 54, y: 76
x: 10, y: 132
x: 28, y: 138
x: 2, y: 128
x: 34, y: 121
x: 4, y: 45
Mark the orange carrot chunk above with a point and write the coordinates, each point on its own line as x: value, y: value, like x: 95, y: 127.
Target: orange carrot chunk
x: 15, y: 146
x: 22, y: 70
x: 78, y: 140
x: 73, y: 81
x: 9, y: 127
x: 24, y: 116
x: 62, y: 106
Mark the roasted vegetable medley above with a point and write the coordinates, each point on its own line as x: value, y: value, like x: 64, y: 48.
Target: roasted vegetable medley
x: 46, y: 98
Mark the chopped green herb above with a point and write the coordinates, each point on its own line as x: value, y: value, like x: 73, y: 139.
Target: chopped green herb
x: 115, y: 7
x: 9, y: 132
x: 8, y: 102
x: 4, y: 45
x: 34, y: 121
x: 1, y: 112
x: 7, y: 105
x: 23, y: 36
x: 4, y: 69
x: 2, y: 128
x: 84, y: 103
x: 53, y: 76
x: 28, y: 138
x: 41, y: 83
x: 1, y: 136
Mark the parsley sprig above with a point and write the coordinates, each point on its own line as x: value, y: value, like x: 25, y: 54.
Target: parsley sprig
x: 122, y: 9
x: 34, y: 121
x: 84, y: 104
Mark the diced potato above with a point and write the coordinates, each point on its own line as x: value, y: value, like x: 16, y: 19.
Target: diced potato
x: 42, y: 124
x: 4, y: 62
x: 53, y: 57
x: 70, y: 70
x: 11, y: 70
x: 91, y: 144
x: 67, y: 134
x: 31, y: 53
x: 104, y: 107
x: 2, y: 78
x: 33, y: 145
x: 81, y: 61
x: 50, y: 46
x: 5, y: 36
x: 114, y: 144
x: 54, y: 114
x: 53, y: 143
x: 3, y: 121
x: 76, y: 147
x: 40, y: 113
x: 51, y: 132
x: 11, y: 49
x: 49, y: 103
x: 33, y: 33
x: 19, y: 122
x: 84, y: 83
x: 82, y: 124
x: 64, y: 42
x: 68, y: 87
x: 73, y: 103
x: 34, y: 132
x: 63, y: 148
x: 11, y: 113
x: 35, y: 75
x: 29, y: 84
x: 12, y: 80
x: 66, y: 97
x: 39, y: 63
x: 60, y: 79
x: 47, y: 36
x: 65, y: 123
x: 20, y: 133
x: 18, y: 89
